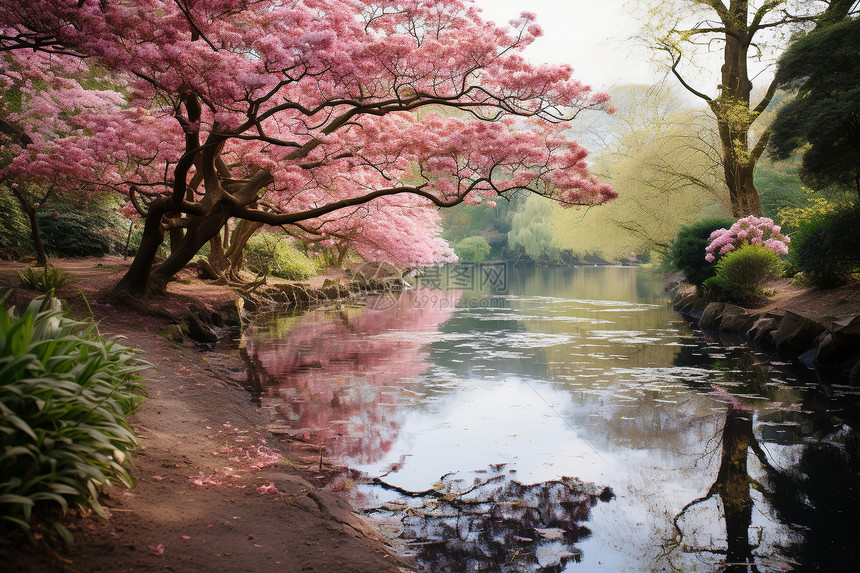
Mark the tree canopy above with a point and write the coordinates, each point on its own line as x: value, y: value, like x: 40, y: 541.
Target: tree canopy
x: 299, y: 114
x: 746, y: 30
x: 824, y: 66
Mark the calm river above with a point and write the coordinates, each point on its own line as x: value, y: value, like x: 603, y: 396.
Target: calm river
x: 499, y: 419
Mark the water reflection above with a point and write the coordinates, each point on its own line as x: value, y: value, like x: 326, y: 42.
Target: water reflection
x: 721, y: 459
x: 338, y: 378
x: 733, y: 485
x: 489, y: 521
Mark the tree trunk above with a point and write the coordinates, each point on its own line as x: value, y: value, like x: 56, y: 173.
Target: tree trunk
x: 743, y: 194
x: 135, y: 282
x: 38, y: 245
x: 238, y: 239
x: 199, y: 231
x: 41, y: 256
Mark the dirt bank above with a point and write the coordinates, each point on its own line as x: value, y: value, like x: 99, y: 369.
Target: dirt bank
x: 215, y: 491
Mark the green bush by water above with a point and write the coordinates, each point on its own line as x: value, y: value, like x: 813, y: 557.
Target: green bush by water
x: 687, y: 251
x: 742, y: 274
x: 274, y: 254
x: 64, y: 393
x: 472, y: 249
x: 827, y: 249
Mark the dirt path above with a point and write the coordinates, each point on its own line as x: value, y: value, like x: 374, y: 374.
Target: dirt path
x: 215, y: 491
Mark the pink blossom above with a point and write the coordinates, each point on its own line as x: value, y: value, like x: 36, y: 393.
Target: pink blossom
x: 267, y: 488
x: 749, y: 230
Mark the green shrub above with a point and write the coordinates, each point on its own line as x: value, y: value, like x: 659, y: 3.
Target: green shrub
x: 76, y: 234
x: 472, y: 249
x: 827, y: 249
x: 687, y: 251
x: 742, y: 274
x: 48, y: 279
x: 273, y: 254
x: 15, y: 237
x: 64, y: 393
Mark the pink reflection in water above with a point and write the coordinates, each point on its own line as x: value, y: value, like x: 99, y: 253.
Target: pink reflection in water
x: 338, y: 380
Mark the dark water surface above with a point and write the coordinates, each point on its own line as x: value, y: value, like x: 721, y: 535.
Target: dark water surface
x: 554, y: 420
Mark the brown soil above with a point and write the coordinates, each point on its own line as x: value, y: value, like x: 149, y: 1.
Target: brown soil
x: 204, y: 452
x: 820, y: 305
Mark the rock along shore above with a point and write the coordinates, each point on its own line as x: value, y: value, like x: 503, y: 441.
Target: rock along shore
x: 793, y: 327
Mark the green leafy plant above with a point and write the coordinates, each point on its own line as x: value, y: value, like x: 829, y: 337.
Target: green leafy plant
x: 742, y: 274
x: 64, y: 393
x: 274, y: 254
x: 472, y: 249
x: 48, y: 279
x: 827, y: 249
x: 687, y: 252
x: 76, y: 234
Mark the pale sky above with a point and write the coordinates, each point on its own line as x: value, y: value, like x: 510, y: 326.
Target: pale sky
x: 593, y: 36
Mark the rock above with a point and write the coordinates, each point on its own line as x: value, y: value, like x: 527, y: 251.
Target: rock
x: 712, y: 315
x: 846, y: 333
x: 173, y: 333
x: 735, y: 319
x: 689, y: 304
x: 233, y: 313
x: 760, y: 331
x: 854, y: 375
x: 297, y: 294
x: 199, y: 331
x: 827, y: 350
x: 795, y: 334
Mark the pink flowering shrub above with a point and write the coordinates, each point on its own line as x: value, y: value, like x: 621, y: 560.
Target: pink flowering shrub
x: 750, y: 230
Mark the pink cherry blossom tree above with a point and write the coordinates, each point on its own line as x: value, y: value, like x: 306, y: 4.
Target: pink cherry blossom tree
x: 351, y: 119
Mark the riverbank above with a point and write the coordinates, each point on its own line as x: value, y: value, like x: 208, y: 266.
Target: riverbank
x: 215, y: 490
x: 819, y: 328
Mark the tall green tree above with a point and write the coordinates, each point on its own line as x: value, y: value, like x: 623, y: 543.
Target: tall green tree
x: 824, y: 68
x: 687, y: 30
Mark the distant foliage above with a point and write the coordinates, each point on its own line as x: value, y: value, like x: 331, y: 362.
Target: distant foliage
x: 14, y: 228
x: 660, y: 156
x: 44, y: 279
x: 793, y: 218
x: 741, y: 274
x: 687, y: 251
x: 532, y: 232
x: 64, y: 393
x: 779, y: 186
x: 274, y: 254
x: 78, y: 234
x: 827, y: 249
x: 749, y: 230
x: 472, y: 249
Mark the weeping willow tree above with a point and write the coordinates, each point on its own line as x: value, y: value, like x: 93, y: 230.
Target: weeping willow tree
x: 665, y: 164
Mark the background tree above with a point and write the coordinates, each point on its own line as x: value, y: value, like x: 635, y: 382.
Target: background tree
x: 664, y: 160
x: 304, y: 114
x: 742, y: 28
x: 51, y: 109
x: 824, y: 67
x: 531, y: 232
